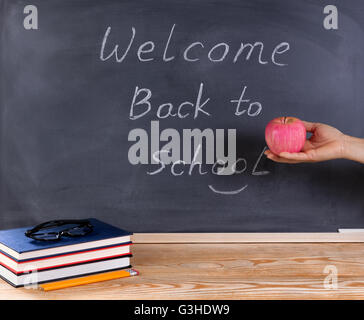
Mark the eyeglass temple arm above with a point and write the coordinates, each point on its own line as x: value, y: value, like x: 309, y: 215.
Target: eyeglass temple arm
x: 55, y: 223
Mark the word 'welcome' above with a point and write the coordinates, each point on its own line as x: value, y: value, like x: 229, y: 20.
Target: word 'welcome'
x: 192, y: 52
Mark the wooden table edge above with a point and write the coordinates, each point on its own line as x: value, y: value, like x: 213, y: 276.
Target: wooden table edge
x: 247, y: 237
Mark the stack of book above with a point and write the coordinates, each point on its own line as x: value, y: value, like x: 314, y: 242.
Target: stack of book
x: 24, y: 261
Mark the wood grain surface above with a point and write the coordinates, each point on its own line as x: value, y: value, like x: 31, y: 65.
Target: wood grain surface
x: 226, y: 271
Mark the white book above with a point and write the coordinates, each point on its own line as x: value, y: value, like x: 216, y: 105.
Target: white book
x: 35, y: 278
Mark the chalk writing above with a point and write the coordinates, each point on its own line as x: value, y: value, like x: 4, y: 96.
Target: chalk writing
x: 190, y: 150
x: 192, y: 52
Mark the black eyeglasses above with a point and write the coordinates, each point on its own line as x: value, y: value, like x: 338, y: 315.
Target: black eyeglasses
x: 72, y: 228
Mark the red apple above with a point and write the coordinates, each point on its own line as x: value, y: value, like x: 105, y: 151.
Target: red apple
x: 285, y: 134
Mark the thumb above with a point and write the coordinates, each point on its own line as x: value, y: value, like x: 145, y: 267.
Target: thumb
x: 310, y: 126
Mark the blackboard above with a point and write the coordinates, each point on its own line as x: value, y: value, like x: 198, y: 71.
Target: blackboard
x: 68, y: 133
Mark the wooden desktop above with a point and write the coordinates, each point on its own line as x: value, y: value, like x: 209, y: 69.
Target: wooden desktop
x: 228, y: 266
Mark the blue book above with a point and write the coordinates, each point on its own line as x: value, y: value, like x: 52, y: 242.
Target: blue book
x: 15, y: 245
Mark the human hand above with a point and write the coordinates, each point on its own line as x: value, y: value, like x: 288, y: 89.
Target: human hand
x: 326, y: 143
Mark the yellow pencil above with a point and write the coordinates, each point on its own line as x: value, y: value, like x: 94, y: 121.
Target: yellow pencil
x: 88, y: 279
